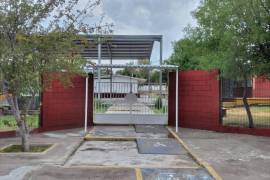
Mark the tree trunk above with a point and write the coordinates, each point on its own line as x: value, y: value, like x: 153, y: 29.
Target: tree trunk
x: 21, y: 122
x: 25, y: 142
x: 246, y: 105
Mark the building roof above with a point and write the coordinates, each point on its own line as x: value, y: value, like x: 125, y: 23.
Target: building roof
x: 143, y: 66
x: 119, y: 46
x: 122, y: 76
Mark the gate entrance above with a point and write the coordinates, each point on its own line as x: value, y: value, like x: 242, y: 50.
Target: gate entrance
x: 130, y: 102
x: 120, y: 99
x: 126, y: 99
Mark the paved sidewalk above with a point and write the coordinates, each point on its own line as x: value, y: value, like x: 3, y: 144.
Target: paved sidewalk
x: 56, y: 173
x: 72, y: 158
x: 14, y: 165
x: 126, y: 153
x: 233, y: 156
x: 158, y: 162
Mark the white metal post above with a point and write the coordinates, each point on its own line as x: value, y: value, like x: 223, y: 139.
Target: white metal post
x: 176, y: 102
x: 86, y: 104
x: 111, y: 74
x: 99, y: 62
x: 149, y: 83
x: 160, y: 63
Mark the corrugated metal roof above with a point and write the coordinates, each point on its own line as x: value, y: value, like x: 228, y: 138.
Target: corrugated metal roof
x: 119, y: 46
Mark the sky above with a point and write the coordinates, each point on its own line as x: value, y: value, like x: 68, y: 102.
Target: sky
x: 140, y: 17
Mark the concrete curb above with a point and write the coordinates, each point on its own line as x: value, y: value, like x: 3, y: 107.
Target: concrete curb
x: 90, y: 137
x: 129, y: 167
x: 53, y: 145
x: 201, y: 162
x: 71, y: 153
x: 138, y: 174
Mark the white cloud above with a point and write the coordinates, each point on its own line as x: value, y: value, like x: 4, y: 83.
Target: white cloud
x: 165, y: 17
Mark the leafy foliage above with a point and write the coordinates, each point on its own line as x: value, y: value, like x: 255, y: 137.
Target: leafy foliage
x: 8, y: 121
x: 231, y: 35
x: 144, y: 73
x: 101, y: 106
x: 36, y: 39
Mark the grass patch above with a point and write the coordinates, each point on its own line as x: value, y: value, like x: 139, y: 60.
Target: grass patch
x: 9, y: 122
x: 15, y: 148
x: 161, y: 110
x: 101, y: 106
x: 238, y: 117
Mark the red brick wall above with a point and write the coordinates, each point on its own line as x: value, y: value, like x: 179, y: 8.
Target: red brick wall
x: 198, y: 99
x: 261, y: 87
x: 63, y: 107
x: 199, y: 93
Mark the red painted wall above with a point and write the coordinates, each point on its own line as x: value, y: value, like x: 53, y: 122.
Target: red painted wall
x: 63, y: 107
x: 199, y: 108
x: 7, y: 134
x: 261, y: 87
x: 198, y: 99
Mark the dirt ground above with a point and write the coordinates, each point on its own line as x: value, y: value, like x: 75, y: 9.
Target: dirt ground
x: 233, y: 156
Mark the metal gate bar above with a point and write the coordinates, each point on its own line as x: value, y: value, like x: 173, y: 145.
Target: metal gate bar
x: 111, y: 105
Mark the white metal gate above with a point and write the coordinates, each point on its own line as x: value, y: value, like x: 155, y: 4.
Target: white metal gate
x: 130, y: 103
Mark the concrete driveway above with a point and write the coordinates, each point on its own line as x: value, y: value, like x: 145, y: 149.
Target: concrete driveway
x: 72, y: 158
x: 148, y: 150
x: 234, y: 156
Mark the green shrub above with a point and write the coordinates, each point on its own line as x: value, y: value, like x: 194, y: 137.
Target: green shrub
x: 158, y: 103
x: 9, y: 121
x: 101, y: 106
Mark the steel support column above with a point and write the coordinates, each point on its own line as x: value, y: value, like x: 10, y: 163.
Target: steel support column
x: 160, y: 63
x: 86, y: 105
x: 176, y: 101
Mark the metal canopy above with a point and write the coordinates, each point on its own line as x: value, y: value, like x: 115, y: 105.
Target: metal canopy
x: 122, y: 47
x: 119, y: 46
x: 144, y: 66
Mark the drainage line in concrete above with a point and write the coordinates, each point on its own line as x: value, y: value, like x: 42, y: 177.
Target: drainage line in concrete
x: 72, y: 152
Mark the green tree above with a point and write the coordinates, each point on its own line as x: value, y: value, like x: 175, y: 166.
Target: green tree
x: 183, y: 55
x: 232, y: 36
x: 153, y: 74
x: 126, y: 71
x: 37, y: 38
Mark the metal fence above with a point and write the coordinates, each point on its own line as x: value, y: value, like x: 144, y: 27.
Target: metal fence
x: 233, y: 109
x: 111, y: 98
